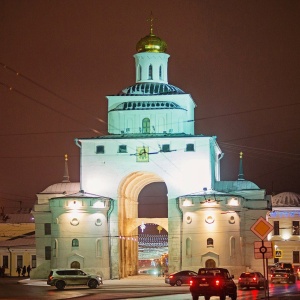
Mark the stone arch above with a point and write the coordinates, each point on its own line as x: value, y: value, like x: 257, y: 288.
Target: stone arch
x: 209, y: 257
x: 210, y: 263
x: 128, y: 193
x: 76, y: 259
x: 75, y: 265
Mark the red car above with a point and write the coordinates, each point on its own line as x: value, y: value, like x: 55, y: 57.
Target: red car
x: 252, y: 279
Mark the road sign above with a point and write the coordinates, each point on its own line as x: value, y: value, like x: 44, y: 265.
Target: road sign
x: 278, y: 253
x: 261, y: 228
x: 263, y: 250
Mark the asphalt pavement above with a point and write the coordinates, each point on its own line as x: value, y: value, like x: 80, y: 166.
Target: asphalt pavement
x: 146, y: 279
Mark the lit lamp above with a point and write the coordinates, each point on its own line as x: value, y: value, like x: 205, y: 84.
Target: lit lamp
x: 187, y: 202
x: 209, y: 219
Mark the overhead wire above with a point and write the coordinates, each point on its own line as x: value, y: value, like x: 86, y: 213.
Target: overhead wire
x: 45, y: 105
x: 48, y: 90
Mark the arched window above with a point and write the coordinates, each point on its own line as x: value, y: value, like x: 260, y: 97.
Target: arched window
x: 210, y: 263
x: 99, y: 248
x: 75, y: 243
x: 75, y: 265
x: 150, y: 72
x: 232, y: 246
x: 55, y: 248
x: 139, y: 72
x: 188, y: 246
x: 146, y: 125
x: 210, y: 242
x: 160, y: 73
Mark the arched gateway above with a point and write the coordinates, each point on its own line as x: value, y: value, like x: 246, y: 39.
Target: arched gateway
x: 129, y: 220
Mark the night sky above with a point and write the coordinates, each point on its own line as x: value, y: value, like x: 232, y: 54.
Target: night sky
x: 240, y: 61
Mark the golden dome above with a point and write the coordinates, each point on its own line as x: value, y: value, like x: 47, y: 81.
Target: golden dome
x: 151, y: 42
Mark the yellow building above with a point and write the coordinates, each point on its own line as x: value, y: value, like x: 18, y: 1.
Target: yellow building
x: 285, y: 218
x: 17, y: 242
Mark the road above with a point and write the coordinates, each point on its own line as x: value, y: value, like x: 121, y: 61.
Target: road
x: 136, y: 287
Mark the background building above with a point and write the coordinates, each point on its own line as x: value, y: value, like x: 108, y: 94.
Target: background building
x: 285, y: 218
x: 17, y: 241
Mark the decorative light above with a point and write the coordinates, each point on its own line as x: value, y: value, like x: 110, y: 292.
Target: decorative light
x: 209, y: 219
x: 189, y: 219
x: 231, y: 220
x: 286, y: 236
x: 143, y: 226
x: 74, y: 222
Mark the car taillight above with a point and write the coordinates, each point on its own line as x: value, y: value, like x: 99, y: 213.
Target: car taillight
x: 240, y: 279
x: 217, y: 282
x: 254, y: 278
x: 171, y: 276
x: 191, y: 282
x: 50, y: 277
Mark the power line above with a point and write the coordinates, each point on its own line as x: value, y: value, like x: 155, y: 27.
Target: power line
x: 43, y: 133
x: 263, y: 134
x: 245, y: 112
x: 47, y: 106
x: 255, y: 150
x: 6, y: 67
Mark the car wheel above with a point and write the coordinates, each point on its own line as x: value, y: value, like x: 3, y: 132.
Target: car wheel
x: 195, y: 297
x: 222, y: 297
x: 233, y: 297
x: 207, y: 297
x: 93, y: 284
x: 60, y: 285
x: 178, y: 282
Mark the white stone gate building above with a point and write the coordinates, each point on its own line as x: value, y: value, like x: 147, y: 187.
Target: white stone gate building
x: 93, y: 224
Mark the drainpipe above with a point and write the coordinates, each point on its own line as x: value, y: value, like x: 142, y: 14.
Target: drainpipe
x: 181, y: 215
x: 111, y: 208
x: 10, y: 261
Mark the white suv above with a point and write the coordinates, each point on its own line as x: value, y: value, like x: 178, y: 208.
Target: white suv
x: 62, y: 277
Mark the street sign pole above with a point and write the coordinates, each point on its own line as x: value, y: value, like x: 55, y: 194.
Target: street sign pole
x: 262, y: 228
x: 263, y: 251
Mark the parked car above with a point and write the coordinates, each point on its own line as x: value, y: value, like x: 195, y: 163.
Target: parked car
x: 283, y: 276
x: 60, y: 278
x: 252, y: 279
x: 179, y: 278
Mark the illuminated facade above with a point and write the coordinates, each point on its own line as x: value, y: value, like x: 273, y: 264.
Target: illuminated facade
x: 151, y: 139
x: 285, y: 218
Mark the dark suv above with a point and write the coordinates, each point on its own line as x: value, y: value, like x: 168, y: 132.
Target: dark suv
x: 213, y: 282
x: 64, y: 277
x: 252, y: 279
